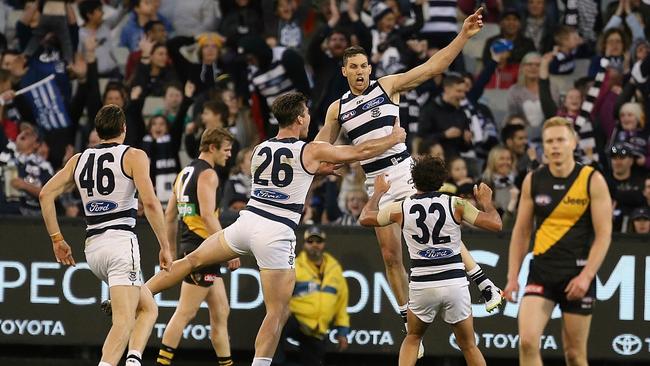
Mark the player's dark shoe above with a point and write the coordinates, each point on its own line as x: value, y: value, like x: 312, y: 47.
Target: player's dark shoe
x: 493, y: 297
x: 106, y: 307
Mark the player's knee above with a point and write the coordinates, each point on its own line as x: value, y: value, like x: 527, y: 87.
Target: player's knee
x: 123, y: 322
x: 194, y: 260
x: 185, y: 314
x: 466, y: 343
x: 528, y: 343
x: 574, y: 356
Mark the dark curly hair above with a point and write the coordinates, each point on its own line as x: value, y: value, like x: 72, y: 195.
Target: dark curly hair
x: 428, y: 173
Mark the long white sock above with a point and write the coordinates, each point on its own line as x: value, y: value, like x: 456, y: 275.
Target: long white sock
x: 133, y: 358
x: 261, y: 361
x: 481, y: 280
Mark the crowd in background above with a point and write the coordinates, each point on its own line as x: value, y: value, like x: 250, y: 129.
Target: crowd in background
x: 180, y: 67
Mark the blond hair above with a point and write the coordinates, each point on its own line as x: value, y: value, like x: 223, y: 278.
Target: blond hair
x: 214, y: 136
x: 559, y: 121
x: 636, y: 110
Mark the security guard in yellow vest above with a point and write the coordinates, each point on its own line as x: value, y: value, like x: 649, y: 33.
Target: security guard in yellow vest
x: 319, y: 302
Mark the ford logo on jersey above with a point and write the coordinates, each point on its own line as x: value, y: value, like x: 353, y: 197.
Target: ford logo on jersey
x: 100, y: 206
x: 270, y: 194
x: 373, y: 103
x: 436, y: 253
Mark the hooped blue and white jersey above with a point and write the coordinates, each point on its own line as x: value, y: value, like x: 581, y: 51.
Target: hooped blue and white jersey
x: 371, y: 115
x: 280, y: 181
x: 433, y: 239
x: 108, y: 194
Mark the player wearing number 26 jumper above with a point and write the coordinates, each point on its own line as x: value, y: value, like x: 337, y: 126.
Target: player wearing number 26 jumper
x: 109, y: 177
x: 282, y: 170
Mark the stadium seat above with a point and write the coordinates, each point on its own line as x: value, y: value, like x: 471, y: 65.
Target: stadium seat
x: 497, y: 100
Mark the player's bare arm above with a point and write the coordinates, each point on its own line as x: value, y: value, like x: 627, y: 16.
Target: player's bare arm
x: 601, y: 217
x: 171, y: 222
x: 62, y: 181
x: 331, y: 128
x: 438, y: 63
x: 318, y: 151
x: 136, y: 165
x: 519, y: 242
x: 487, y: 219
x: 372, y: 216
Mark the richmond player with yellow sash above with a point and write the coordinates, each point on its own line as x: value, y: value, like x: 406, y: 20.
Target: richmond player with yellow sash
x: 572, y: 210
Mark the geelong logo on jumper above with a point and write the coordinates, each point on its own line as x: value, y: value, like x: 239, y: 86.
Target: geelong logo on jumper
x: 270, y: 194
x: 100, y: 206
x: 347, y: 115
x: 433, y: 253
x: 373, y: 103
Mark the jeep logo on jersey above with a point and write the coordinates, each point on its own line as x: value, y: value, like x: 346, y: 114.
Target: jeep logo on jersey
x: 347, y: 115
x: 373, y: 103
x: 100, y: 206
x: 542, y: 199
x: 270, y: 194
x: 436, y: 253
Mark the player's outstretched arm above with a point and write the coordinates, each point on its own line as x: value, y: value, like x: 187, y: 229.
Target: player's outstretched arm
x: 60, y: 182
x: 321, y: 151
x: 136, y: 163
x: 331, y: 128
x: 487, y: 219
x: 371, y: 215
x: 438, y: 63
x: 519, y: 241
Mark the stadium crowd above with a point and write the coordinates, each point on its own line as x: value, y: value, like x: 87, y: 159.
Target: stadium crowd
x: 180, y: 67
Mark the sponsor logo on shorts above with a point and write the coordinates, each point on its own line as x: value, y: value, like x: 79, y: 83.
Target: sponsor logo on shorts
x: 436, y: 253
x: 270, y: 194
x: 210, y: 277
x: 347, y: 115
x: 627, y: 344
x: 373, y: 103
x: 100, y: 206
x: 133, y: 276
x: 543, y: 199
x: 534, y: 289
x: 375, y: 113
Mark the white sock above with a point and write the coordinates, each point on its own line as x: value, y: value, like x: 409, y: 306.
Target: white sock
x: 102, y: 363
x: 133, y: 358
x: 402, y: 312
x: 261, y: 361
x: 481, y: 280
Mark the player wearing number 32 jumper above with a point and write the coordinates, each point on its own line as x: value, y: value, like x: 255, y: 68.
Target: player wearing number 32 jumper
x: 282, y: 170
x: 107, y: 177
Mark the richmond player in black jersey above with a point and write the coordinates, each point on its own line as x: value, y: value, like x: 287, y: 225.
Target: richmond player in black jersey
x: 572, y: 209
x: 194, y: 202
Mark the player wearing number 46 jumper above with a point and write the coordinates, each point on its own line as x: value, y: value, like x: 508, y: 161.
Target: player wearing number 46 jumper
x: 107, y: 177
x: 430, y: 223
x: 282, y: 170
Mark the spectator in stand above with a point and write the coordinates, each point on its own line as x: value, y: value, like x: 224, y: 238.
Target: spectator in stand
x: 624, y: 15
x: 319, y: 302
x: 572, y: 101
x: 239, y: 121
x: 538, y: 25
x: 237, y: 189
x: 154, y: 31
x: 277, y: 71
x: 510, y: 26
x: 195, y: 17
x: 24, y: 173
x: 491, y: 13
x: 443, y: 118
x: 567, y: 40
x: 515, y: 139
x: 283, y: 22
x: 354, y: 200
x: 631, y: 130
x: 172, y: 103
x: 154, y: 71
x: 523, y: 98
x: 92, y: 14
x: 646, y: 190
x: 441, y: 27
x: 213, y: 115
x: 612, y: 45
x: 242, y: 20
x: 499, y: 174
x: 459, y: 177
x: 53, y: 20
x: 640, y: 218
x: 503, y: 73
x: 627, y: 183
x: 143, y: 12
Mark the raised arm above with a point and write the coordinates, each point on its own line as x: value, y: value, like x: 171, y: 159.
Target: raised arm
x: 519, y: 242
x: 61, y: 182
x: 601, y: 217
x: 331, y: 127
x: 371, y: 215
x: 488, y: 219
x: 136, y: 165
x: 438, y: 63
x: 318, y: 151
